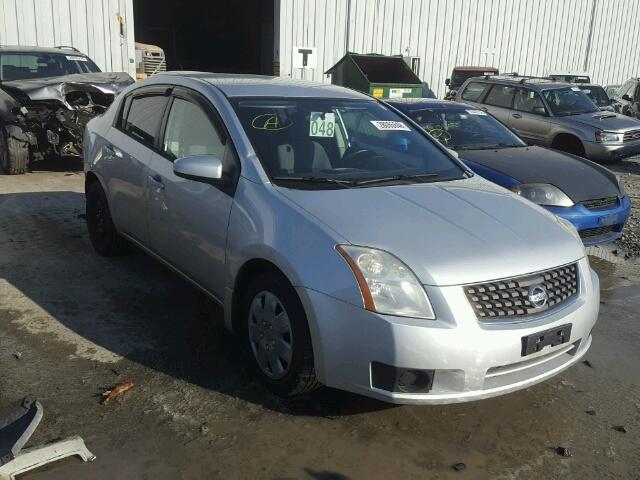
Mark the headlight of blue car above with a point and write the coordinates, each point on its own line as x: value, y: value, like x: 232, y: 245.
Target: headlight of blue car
x: 543, y: 194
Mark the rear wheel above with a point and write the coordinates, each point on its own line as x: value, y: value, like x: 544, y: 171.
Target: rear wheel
x: 14, y: 157
x: 102, y: 232
x: 277, y: 334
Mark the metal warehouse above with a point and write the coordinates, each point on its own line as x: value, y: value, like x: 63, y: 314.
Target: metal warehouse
x: 305, y: 38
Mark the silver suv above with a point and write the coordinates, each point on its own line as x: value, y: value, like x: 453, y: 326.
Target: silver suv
x: 556, y: 115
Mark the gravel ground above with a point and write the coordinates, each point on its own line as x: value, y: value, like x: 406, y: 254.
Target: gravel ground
x: 629, y: 172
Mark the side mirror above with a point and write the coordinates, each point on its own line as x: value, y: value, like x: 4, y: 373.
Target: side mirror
x: 447, y: 82
x: 539, y: 111
x: 200, y: 168
x: 626, y: 97
x: 453, y: 152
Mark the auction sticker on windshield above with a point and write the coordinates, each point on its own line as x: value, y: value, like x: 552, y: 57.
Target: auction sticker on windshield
x: 76, y: 58
x: 322, y: 124
x: 389, y: 125
x: 476, y: 112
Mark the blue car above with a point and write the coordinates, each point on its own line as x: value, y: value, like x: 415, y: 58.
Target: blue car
x: 583, y: 192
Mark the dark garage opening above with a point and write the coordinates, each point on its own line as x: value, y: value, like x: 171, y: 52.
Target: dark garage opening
x: 209, y: 35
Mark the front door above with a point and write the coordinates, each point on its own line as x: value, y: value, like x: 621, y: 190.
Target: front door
x: 529, y: 117
x: 188, y: 219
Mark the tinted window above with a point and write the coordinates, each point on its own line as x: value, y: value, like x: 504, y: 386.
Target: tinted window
x: 473, y: 91
x: 500, y: 96
x: 22, y: 66
x: 352, y: 140
x: 190, y: 132
x: 465, y: 128
x: 144, y: 117
x: 526, y: 100
x: 569, y: 101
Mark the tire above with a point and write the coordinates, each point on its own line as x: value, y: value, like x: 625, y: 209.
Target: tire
x: 570, y: 145
x: 102, y: 232
x: 298, y: 375
x: 14, y: 157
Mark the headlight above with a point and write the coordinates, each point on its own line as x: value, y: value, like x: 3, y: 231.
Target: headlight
x: 387, y: 285
x: 609, y: 137
x: 543, y: 194
x: 568, y: 226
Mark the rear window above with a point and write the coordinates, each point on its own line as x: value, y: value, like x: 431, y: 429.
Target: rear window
x: 501, y: 96
x: 144, y: 116
x: 473, y: 91
x: 25, y: 66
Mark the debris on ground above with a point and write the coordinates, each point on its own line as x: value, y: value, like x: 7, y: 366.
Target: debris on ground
x: 459, y: 467
x: 115, y: 392
x: 629, y: 244
x: 620, y: 428
x: 564, y: 452
x: 591, y: 412
x: 17, y: 356
x: 588, y: 363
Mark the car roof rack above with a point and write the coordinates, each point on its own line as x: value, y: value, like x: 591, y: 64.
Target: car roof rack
x: 514, y: 76
x: 67, y: 47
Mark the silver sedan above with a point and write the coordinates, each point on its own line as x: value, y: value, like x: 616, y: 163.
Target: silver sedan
x: 347, y: 247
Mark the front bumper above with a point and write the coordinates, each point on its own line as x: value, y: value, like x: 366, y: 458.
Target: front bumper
x: 470, y: 360
x: 601, y: 152
x: 589, y: 221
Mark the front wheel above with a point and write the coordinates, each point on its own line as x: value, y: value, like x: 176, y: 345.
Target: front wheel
x: 102, y: 232
x: 14, y: 155
x: 277, y: 334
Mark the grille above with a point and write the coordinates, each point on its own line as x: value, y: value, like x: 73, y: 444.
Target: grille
x: 600, y: 203
x: 154, y: 63
x: 505, y: 299
x: 631, y: 135
x: 596, y: 232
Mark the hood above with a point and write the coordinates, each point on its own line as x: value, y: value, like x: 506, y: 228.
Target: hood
x: 56, y: 88
x: 607, y: 121
x: 448, y: 233
x: 579, y: 178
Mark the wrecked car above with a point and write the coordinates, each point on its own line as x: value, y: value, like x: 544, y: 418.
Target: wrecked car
x: 47, y: 96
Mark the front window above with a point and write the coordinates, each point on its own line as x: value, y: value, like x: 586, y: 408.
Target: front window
x: 465, y: 128
x: 569, y: 101
x: 597, y: 95
x: 340, y: 142
x: 29, y: 65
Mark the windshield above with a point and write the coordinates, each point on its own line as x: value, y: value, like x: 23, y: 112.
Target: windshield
x: 569, y: 101
x: 28, y: 65
x: 333, y: 140
x: 465, y: 128
x: 597, y: 95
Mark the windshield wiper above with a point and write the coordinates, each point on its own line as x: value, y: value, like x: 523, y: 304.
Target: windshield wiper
x: 423, y: 177
x: 311, y: 179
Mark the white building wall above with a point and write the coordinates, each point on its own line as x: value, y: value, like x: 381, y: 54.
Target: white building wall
x: 530, y: 37
x: 91, y: 26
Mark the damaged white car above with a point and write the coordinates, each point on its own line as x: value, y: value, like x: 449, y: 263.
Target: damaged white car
x: 47, y: 96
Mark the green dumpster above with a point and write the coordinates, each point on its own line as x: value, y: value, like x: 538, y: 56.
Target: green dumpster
x: 378, y: 75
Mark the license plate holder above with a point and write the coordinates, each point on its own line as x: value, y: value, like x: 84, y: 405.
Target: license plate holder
x: 537, y: 341
x: 608, y: 220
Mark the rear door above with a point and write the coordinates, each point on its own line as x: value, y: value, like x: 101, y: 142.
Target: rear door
x: 188, y: 219
x: 126, y: 155
x: 499, y: 101
x: 527, y: 119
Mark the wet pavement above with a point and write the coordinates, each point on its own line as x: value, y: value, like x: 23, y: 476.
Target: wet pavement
x: 73, y: 324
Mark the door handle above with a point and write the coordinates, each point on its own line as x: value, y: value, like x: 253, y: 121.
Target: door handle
x: 516, y: 115
x: 157, y: 181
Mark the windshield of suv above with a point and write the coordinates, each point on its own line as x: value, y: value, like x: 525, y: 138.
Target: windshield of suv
x: 596, y: 94
x: 28, y: 65
x: 465, y: 128
x: 335, y: 141
x: 569, y: 101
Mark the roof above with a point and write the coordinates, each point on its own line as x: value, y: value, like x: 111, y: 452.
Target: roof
x: 26, y: 49
x: 541, y: 82
x: 421, y: 103
x: 239, y: 85
x: 476, y: 69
